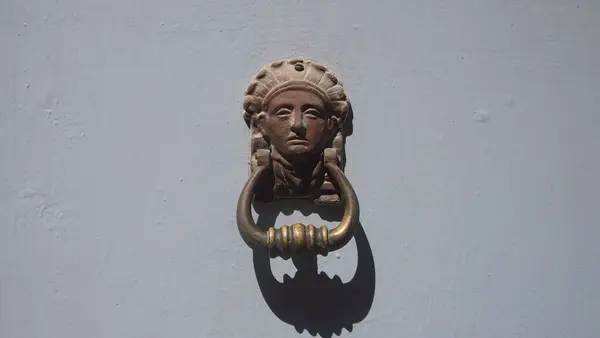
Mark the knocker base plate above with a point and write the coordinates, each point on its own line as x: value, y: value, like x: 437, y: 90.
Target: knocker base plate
x: 267, y: 191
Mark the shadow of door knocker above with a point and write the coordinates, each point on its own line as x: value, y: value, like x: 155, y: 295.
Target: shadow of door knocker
x: 296, y: 109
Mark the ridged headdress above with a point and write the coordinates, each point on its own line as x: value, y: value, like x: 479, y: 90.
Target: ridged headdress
x: 289, y: 74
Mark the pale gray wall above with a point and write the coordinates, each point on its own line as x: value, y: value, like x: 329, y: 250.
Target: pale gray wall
x: 474, y: 156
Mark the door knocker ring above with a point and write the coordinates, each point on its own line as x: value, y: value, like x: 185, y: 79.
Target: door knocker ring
x: 295, y: 109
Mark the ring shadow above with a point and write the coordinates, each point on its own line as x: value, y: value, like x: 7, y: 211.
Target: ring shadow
x: 311, y: 300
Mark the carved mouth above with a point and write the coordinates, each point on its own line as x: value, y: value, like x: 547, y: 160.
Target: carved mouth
x: 297, y: 141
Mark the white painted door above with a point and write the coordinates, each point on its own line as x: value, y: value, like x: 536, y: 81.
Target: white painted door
x: 473, y: 153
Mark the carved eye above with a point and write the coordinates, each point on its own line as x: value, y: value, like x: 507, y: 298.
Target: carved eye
x: 313, y: 113
x: 283, y: 112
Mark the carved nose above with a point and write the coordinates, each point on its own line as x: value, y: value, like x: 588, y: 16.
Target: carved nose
x: 297, y: 123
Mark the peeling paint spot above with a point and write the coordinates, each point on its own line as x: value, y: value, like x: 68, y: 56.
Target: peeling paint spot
x: 481, y: 115
x: 38, y: 209
x: 62, y: 119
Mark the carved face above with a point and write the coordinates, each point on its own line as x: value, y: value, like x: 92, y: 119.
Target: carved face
x: 297, y: 122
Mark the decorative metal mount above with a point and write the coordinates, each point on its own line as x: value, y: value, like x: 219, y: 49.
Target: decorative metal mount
x: 295, y: 110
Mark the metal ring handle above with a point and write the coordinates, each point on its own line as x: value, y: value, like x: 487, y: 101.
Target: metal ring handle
x: 299, y: 237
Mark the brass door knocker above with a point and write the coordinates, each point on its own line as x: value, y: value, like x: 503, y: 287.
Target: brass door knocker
x: 295, y: 110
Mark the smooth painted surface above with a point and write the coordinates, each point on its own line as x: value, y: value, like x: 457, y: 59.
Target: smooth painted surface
x: 474, y: 155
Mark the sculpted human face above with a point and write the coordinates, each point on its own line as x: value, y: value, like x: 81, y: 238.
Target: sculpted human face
x: 297, y: 123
